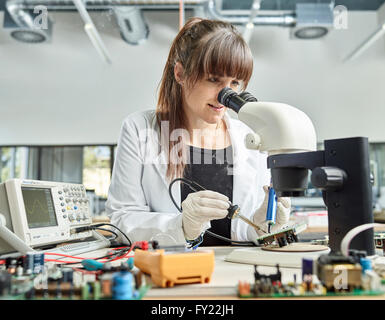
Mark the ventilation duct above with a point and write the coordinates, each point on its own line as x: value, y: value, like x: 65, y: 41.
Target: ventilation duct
x: 133, y: 28
x: 281, y: 20
x: 316, y: 18
x: 31, y: 26
x: 313, y: 20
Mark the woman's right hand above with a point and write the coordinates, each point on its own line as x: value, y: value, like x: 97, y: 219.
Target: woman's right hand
x: 201, y: 207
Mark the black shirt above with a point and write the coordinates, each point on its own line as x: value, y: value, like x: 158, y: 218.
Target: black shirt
x: 213, y: 170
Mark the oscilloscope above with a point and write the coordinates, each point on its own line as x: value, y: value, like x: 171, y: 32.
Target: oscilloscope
x: 42, y: 212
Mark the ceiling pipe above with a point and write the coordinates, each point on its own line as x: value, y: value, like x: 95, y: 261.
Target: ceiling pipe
x: 283, y: 20
x: 19, y: 10
x: 209, y: 6
x: 103, y: 4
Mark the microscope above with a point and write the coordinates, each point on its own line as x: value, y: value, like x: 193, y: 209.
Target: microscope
x: 341, y: 170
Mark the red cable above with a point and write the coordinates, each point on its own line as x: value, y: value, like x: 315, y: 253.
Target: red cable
x: 62, y: 255
x: 140, y: 243
x: 60, y: 261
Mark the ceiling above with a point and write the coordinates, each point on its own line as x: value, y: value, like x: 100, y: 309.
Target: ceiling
x: 355, y: 5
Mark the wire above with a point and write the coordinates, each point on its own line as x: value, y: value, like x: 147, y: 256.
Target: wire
x: 122, y: 253
x: 111, y: 225
x: 246, y: 243
x: 61, y: 255
x: 352, y: 233
x: 191, y: 184
x: 108, y: 230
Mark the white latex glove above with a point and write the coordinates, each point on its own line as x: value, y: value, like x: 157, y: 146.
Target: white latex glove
x: 282, y: 217
x: 201, y: 207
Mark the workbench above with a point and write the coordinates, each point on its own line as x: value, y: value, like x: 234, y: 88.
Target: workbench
x: 223, y: 284
x: 224, y: 280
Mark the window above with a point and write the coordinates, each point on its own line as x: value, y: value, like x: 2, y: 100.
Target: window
x: 89, y: 165
x: 97, y: 169
x: 13, y: 162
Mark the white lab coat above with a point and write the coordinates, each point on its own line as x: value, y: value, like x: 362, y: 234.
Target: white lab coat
x: 138, y: 200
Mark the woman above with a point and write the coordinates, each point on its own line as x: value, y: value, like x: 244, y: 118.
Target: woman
x: 190, y: 135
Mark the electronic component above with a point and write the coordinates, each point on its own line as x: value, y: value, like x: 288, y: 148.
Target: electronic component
x: 283, y: 236
x: 122, y: 285
x: 329, y: 267
x: 33, y: 263
x: 62, y: 282
x: 307, y: 267
x: 379, y: 241
x: 44, y: 212
x: 170, y: 268
x: 338, y: 276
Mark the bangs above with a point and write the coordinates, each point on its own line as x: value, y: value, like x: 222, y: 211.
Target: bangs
x: 224, y: 54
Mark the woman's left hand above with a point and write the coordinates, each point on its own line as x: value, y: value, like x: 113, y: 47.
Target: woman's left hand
x: 282, y: 217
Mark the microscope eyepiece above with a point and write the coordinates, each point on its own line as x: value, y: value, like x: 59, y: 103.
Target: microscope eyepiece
x: 230, y: 99
x: 248, y: 97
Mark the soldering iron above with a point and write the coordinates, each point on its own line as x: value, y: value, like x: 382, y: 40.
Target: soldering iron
x: 234, y: 212
x: 271, y: 213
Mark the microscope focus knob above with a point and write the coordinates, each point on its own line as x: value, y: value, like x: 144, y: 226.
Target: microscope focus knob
x: 327, y: 178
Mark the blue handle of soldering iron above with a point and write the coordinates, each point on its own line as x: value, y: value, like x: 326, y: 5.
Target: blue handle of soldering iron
x: 271, y: 213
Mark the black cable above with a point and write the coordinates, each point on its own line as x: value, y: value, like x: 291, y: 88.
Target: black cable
x: 190, y: 184
x: 241, y: 243
x: 111, y: 225
x: 108, y: 230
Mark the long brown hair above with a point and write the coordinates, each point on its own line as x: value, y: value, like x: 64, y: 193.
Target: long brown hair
x: 202, y: 47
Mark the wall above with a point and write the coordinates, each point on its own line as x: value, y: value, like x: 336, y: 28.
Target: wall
x: 62, y: 93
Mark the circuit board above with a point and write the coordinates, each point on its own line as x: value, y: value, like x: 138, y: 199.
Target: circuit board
x: 282, y: 237
x: 330, y: 275
x: 300, y: 291
x: 31, y: 277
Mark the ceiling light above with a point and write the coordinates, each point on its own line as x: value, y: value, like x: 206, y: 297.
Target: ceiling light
x: 20, y: 24
x: 313, y: 20
x: 29, y: 36
x: 310, y: 32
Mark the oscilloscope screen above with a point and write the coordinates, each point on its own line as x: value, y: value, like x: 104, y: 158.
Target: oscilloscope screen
x: 39, y: 207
